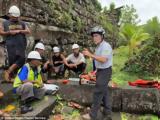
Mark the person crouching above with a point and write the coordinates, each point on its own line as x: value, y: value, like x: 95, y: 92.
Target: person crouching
x: 28, y: 83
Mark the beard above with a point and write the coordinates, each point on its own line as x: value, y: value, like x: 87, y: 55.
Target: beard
x: 76, y: 54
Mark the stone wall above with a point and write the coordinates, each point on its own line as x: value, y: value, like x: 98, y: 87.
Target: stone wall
x: 58, y: 22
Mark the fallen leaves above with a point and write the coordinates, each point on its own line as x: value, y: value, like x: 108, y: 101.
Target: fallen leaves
x: 74, y: 105
x: 58, y: 117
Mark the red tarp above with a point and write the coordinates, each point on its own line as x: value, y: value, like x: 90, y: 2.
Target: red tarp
x: 145, y: 83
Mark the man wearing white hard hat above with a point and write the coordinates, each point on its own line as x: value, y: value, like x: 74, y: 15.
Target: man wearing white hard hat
x: 14, y: 31
x: 39, y: 47
x: 28, y: 83
x: 76, y: 60
x: 45, y: 66
x: 58, y: 61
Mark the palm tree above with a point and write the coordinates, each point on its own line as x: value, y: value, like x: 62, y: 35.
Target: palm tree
x: 134, y: 35
x: 153, y: 26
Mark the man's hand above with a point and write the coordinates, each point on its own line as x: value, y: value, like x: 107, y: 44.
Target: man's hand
x: 14, y: 32
x: 56, y: 62
x: 46, y: 64
x: 87, y: 53
x: 72, y: 65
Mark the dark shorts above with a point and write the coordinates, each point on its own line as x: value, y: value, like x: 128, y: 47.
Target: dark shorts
x: 16, y: 53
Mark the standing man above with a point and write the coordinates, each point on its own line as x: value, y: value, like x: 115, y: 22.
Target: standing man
x: 14, y: 31
x: 103, y: 64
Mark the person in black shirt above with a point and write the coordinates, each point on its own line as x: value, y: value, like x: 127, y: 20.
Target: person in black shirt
x: 14, y: 32
x: 58, y: 61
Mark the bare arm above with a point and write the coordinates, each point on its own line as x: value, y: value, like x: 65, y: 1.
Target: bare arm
x: 25, y: 81
x: 13, y: 32
x: 2, y: 32
x: 26, y: 31
x: 79, y: 63
x: 64, y: 60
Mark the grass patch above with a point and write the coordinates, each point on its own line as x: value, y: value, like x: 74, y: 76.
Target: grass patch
x: 121, y: 55
x: 127, y: 116
x: 119, y: 58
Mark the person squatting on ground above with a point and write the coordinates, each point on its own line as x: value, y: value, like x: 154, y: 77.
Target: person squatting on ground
x: 46, y: 66
x: 28, y: 83
x: 76, y: 61
x: 58, y: 61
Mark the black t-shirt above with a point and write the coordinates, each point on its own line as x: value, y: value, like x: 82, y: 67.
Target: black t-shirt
x: 57, y: 58
x: 17, y: 40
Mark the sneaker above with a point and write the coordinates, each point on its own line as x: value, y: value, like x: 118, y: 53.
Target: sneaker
x: 25, y: 109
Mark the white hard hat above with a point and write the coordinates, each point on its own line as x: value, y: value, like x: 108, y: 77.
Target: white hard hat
x: 14, y: 11
x: 39, y: 46
x: 74, y: 46
x: 34, y: 55
x: 56, y: 49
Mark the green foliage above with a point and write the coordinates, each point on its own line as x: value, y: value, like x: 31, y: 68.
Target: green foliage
x: 128, y: 15
x: 89, y: 66
x: 120, y: 76
x: 120, y: 57
x: 147, y: 60
x: 127, y: 116
x: 66, y: 20
x: 78, y: 24
x: 97, y: 5
x: 75, y: 115
x: 134, y: 35
x: 112, y: 6
x: 105, y: 10
x: 104, y: 21
x: 152, y: 27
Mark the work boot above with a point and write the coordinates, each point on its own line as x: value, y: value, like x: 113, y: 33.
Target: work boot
x: 26, y: 108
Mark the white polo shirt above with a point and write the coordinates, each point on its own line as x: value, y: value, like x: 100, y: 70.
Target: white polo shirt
x: 104, y: 49
x: 74, y: 59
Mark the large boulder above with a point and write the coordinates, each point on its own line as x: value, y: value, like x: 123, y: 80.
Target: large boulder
x: 129, y: 99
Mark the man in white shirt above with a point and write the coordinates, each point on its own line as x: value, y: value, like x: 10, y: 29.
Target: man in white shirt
x: 76, y: 60
x: 103, y: 63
